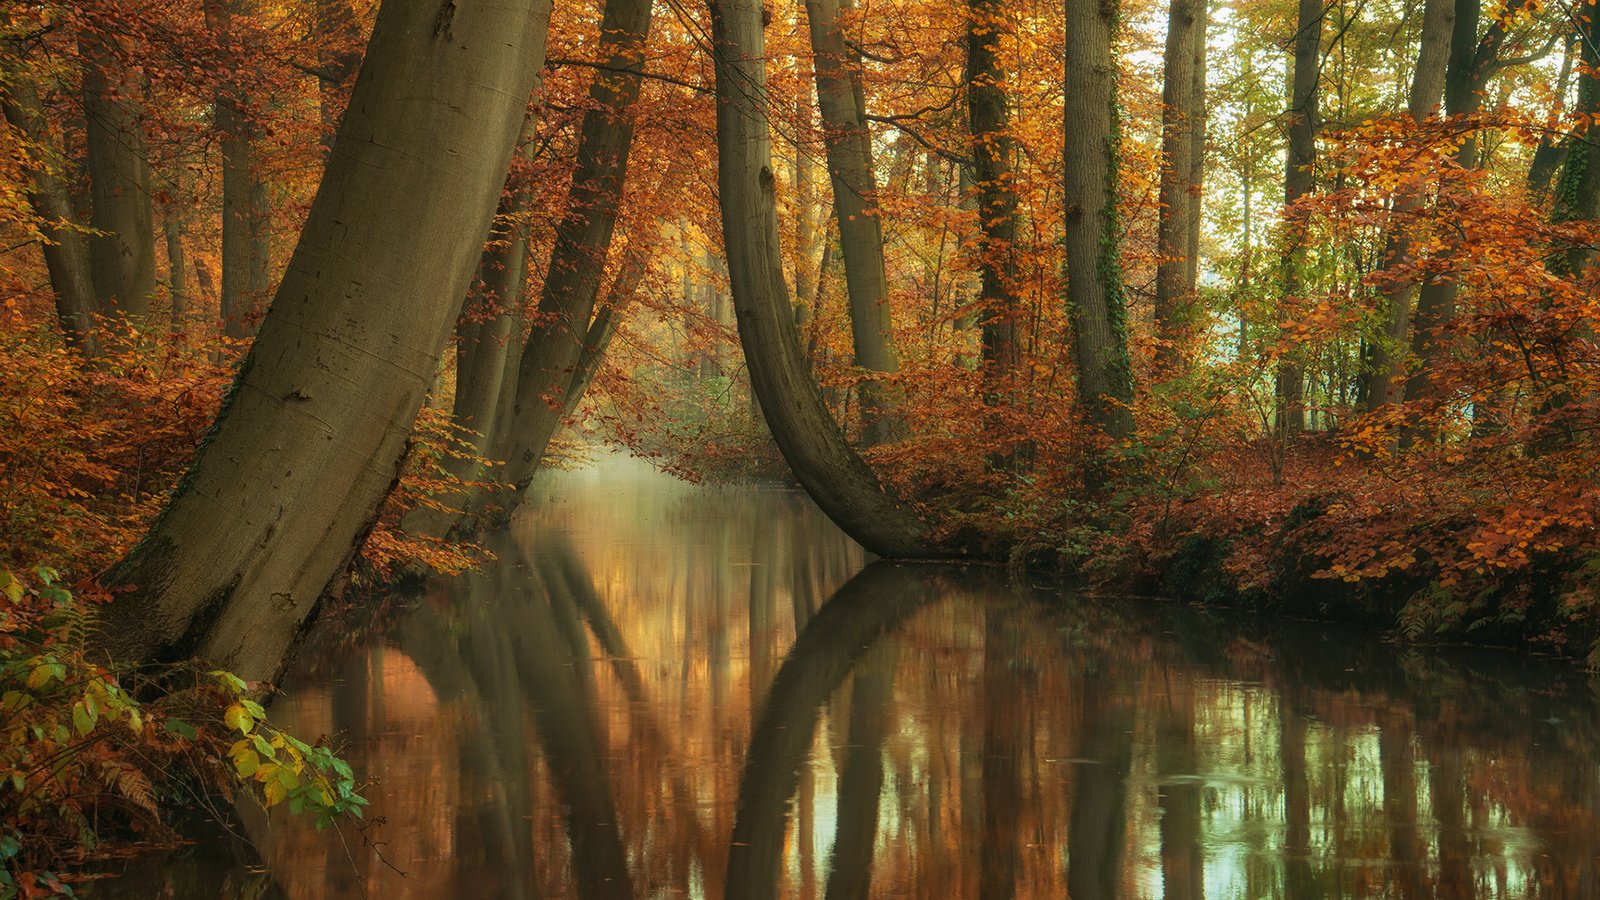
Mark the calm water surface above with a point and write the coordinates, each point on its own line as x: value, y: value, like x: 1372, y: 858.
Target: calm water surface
x: 663, y: 690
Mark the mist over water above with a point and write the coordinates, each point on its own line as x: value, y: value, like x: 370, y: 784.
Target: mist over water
x: 661, y: 690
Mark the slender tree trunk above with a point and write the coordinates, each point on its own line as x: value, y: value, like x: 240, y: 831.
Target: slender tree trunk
x: 841, y: 99
x: 1472, y: 62
x: 123, y: 253
x: 1387, y: 361
x: 582, y: 241
x: 243, y: 218
x: 1551, y: 152
x: 1183, y: 140
x: 1090, y: 158
x: 66, y: 253
x: 312, y: 437
x: 1298, y: 180
x: 989, y: 123
x: 812, y: 442
x: 172, y: 224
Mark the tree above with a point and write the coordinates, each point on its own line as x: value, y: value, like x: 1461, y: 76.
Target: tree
x: 122, y: 252
x: 842, y: 102
x: 988, y: 122
x: 1298, y: 179
x: 1183, y: 144
x: 811, y: 441
x: 1090, y: 159
x: 314, y: 431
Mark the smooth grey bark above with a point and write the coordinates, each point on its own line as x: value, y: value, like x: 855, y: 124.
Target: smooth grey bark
x: 66, y: 253
x: 1473, y: 60
x: 1384, y: 374
x: 123, y: 254
x: 842, y: 102
x: 990, y: 126
x: 1298, y: 180
x: 1183, y: 140
x: 582, y: 240
x: 811, y: 441
x: 314, y: 432
x: 1095, y: 301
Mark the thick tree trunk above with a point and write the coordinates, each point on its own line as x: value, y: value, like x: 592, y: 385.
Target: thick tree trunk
x: 123, y: 254
x: 1298, y: 180
x: 1387, y: 361
x: 582, y: 241
x: 1183, y: 140
x: 812, y: 442
x: 313, y: 436
x: 66, y: 253
x: 1094, y: 269
x: 989, y: 124
x: 855, y: 206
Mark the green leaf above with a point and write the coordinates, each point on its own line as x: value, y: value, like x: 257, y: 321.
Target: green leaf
x: 81, y: 718
x: 181, y: 728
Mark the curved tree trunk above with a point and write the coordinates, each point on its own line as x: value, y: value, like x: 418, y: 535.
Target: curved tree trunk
x: 66, y: 253
x: 855, y: 205
x: 1427, y: 87
x: 123, y: 254
x: 1183, y: 141
x: 812, y: 442
x: 313, y: 435
x: 582, y: 242
x: 1094, y: 267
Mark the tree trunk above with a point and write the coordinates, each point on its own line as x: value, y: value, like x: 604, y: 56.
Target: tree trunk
x: 1183, y: 140
x: 1472, y: 61
x: 855, y: 200
x: 313, y: 435
x: 1551, y: 152
x: 123, y: 255
x: 172, y: 224
x: 1298, y: 180
x: 243, y: 220
x: 582, y: 240
x: 66, y: 253
x: 1427, y: 87
x: 1094, y: 269
x: 989, y: 123
x: 812, y: 442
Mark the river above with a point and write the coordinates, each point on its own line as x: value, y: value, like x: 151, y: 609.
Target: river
x: 668, y: 690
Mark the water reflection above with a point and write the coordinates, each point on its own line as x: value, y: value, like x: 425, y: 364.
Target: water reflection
x: 647, y: 696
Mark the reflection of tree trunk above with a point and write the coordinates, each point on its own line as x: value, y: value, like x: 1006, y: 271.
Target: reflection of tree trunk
x: 1396, y: 760
x: 1447, y: 797
x: 1182, y: 857
x: 868, y: 606
x: 1099, y: 810
x: 1296, y: 801
x: 861, y: 778
x: 1005, y: 728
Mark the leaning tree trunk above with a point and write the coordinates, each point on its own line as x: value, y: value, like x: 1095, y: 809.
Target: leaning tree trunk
x: 66, y: 254
x: 123, y: 252
x: 292, y: 476
x: 841, y: 100
x: 1298, y: 178
x: 1094, y: 269
x: 582, y: 240
x: 812, y: 442
x: 1427, y: 87
x: 1183, y: 139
